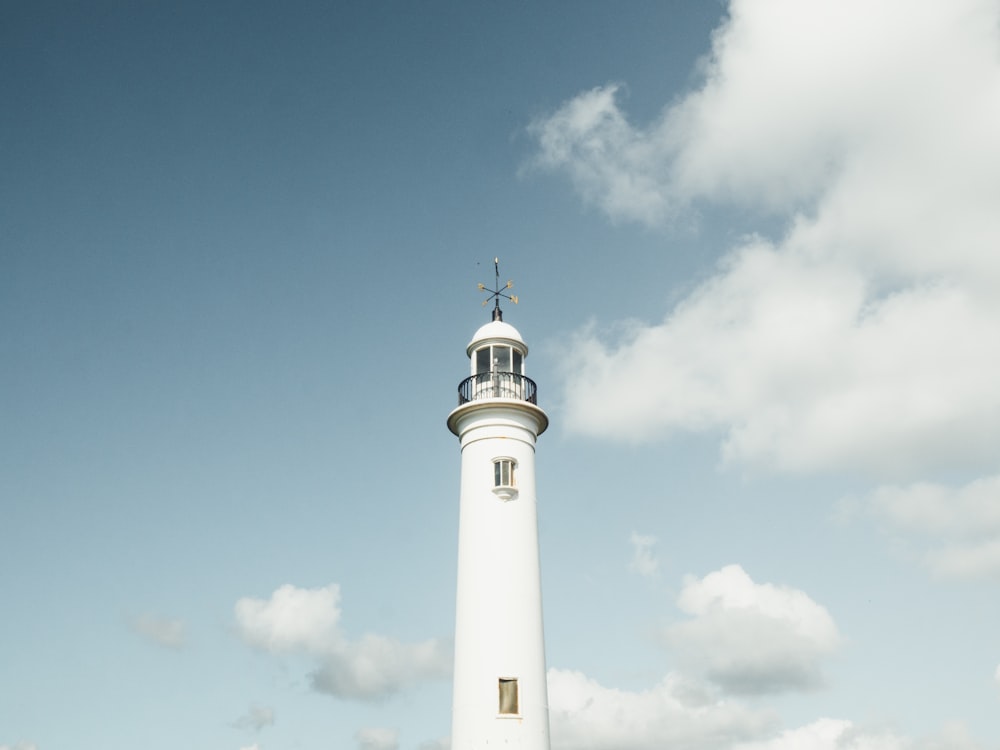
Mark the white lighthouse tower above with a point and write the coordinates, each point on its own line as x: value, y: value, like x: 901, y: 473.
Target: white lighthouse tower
x: 500, y: 694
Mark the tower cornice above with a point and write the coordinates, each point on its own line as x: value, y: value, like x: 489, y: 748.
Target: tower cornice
x: 513, y: 409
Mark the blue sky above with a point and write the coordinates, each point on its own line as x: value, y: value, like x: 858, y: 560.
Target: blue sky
x: 755, y: 246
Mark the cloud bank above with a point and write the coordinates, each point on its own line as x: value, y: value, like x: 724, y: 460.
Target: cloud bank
x: 307, y: 621
x: 838, y: 734
x: 679, y: 713
x: 863, y: 338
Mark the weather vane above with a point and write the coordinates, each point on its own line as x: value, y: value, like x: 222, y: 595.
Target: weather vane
x: 498, y: 292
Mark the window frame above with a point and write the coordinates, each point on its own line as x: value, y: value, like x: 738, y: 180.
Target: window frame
x: 514, y: 359
x: 500, y: 489
x: 506, y: 686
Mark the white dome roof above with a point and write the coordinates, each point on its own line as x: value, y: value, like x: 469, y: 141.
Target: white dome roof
x: 496, y: 330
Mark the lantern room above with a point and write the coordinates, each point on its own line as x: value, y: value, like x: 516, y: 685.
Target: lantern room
x: 497, y: 353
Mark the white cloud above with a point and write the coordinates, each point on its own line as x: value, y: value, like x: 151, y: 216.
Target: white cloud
x: 826, y: 734
x: 439, y: 744
x: 588, y: 716
x: 585, y: 715
x: 782, y: 113
x: 644, y: 560
x: 802, y: 371
x: 378, y: 739
x: 162, y: 631
x: 307, y: 621
x: 840, y: 734
x: 20, y: 746
x: 749, y: 637
x: 864, y: 338
x: 962, y: 523
x: 256, y: 718
x: 610, y: 164
x: 292, y: 618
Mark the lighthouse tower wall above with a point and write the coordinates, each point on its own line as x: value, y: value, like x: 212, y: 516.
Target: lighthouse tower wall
x: 498, y: 633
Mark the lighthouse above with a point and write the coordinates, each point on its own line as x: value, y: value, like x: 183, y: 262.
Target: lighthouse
x: 500, y: 694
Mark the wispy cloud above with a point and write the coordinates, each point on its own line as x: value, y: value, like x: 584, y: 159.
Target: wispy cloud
x: 163, y: 631
x: 378, y: 739
x: 308, y: 621
x: 256, y: 718
x: 959, y: 525
x: 644, y: 560
x: 612, y: 165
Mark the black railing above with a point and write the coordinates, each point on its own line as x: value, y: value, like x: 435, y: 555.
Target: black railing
x: 497, y: 385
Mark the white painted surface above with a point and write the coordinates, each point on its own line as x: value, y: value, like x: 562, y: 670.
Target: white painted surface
x: 498, y: 629
x: 497, y: 331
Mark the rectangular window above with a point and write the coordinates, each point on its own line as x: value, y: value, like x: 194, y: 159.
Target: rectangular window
x: 483, y: 361
x: 508, y: 695
x: 501, y: 355
x: 517, y: 363
x: 503, y: 473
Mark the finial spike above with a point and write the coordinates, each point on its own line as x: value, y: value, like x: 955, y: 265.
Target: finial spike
x: 497, y: 291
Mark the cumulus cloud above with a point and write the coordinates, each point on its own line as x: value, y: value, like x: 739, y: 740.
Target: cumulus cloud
x: 307, y: 621
x: 802, y: 372
x: 960, y: 525
x: 863, y: 337
x: 764, y: 131
x: 162, y: 631
x: 644, y: 560
x: 256, y: 718
x: 378, y: 739
x: 752, y: 638
x: 586, y: 715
